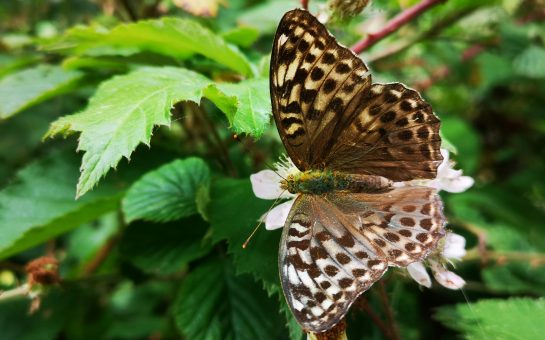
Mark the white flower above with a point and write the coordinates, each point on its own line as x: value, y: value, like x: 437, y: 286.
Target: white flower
x: 449, y: 179
x: 445, y: 277
x: 453, y: 249
x: 276, y: 218
x: 266, y: 185
x: 419, y: 274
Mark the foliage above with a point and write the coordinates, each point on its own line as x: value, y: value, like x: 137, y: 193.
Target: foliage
x: 150, y: 236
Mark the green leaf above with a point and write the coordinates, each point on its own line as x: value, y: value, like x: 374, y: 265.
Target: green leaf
x: 213, y: 303
x: 497, y: 319
x: 168, y: 193
x: 234, y: 212
x: 531, y: 62
x: 265, y: 16
x: 122, y: 115
x: 247, y: 104
x: 39, y: 204
x: 243, y: 36
x: 174, y: 37
x: 31, y: 86
x: 165, y: 248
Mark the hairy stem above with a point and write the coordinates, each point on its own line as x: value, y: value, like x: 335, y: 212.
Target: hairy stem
x: 433, y: 31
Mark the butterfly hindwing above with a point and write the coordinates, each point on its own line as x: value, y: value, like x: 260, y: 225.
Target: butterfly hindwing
x: 334, y: 247
x: 395, y: 134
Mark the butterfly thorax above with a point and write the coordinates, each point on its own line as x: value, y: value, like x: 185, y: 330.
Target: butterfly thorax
x: 319, y: 182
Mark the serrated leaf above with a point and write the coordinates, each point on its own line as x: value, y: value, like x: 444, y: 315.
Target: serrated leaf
x: 122, y: 115
x: 31, y: 86
x: 168, y: 193
x: 165, y: 248
x: 174, y: 37
x: 497, y: 319
x: 213, y: 303
x: 234, y: 212
x: 39, y: 204
x: 247, y: 104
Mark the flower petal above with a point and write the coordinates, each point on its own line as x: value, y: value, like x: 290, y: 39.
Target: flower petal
x: 454, y: 246
x: 419, y: 274
x: 445, y: 277
x: 266, y: 184
x: 458, y: 184
x: 276, y: 218
x: 445, y: 163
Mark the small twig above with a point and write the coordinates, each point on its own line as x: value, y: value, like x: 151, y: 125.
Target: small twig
x: 394, y: 24
x: 101, y: 256
x: 394, y: 329
x: 502, y: 257
x: 304, y: 4
x: 22, y: 290
x: 364, y: 305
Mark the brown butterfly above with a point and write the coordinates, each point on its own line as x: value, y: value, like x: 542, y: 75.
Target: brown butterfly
x: 352, y: 140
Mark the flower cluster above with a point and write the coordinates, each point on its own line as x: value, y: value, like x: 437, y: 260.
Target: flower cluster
x: 266, y: 184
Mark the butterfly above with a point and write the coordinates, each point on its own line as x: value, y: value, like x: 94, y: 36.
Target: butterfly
x: 351, y: 140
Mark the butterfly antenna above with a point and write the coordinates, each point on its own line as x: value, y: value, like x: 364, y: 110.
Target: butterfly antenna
x: 245, y: 244
x: 473, y: 312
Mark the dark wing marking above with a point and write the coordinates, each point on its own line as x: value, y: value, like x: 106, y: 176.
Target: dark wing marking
x: 314, y: 82
x: 334, y: 247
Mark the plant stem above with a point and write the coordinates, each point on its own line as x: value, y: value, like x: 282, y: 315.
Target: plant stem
x: 22, y: 290
x: 433, y: 31
x: 101, y: 256
x: 502, y: 257
x: 393, y: 25
x: 363, y: 304
x: 393, y: 330
x: 304, y: 4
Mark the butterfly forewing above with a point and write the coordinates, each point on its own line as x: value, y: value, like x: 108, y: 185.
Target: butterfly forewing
x: 334, y: 247
x: 330, y: 116
x: 314, y: 83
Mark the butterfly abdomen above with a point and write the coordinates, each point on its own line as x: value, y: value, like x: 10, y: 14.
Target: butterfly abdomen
x: 318, y: 182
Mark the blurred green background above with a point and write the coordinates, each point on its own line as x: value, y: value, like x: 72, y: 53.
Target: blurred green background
x: 154, y: 253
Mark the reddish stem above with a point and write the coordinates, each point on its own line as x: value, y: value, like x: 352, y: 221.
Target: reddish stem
x: 304, y: 4
x: 394, y: 24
